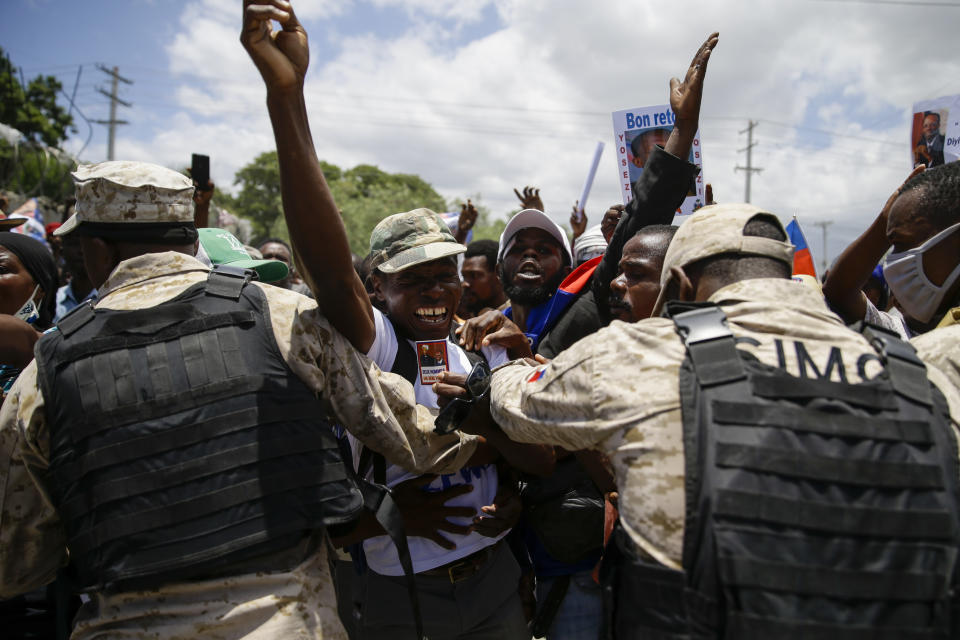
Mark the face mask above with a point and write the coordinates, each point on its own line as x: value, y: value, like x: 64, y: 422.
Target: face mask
x: 904, y: 273
x: 29, y: 312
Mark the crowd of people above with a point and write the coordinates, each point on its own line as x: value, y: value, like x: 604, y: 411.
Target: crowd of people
x: 654, y: 431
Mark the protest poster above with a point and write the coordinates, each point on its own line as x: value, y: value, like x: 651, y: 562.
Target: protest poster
x: 636, y: 132
x: 935, y: 131
x: 432, y: 360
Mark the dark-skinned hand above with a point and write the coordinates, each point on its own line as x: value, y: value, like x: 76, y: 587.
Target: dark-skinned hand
x: 608, y: 224
x: 202, y: 197
x: 685, y: 96
x: 468, y: 218
x: 885, y: 212
x: 578, y: 220
x: 530, y: 198
x: 500, y: 516
x: 708, y: 195
x: 492, y: 327
x: 425, y: 513
x: 281, y: 56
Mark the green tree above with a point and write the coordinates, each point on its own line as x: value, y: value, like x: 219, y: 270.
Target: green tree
x: 33, y: 109
x: 259, y: 197
x: 365, y: 195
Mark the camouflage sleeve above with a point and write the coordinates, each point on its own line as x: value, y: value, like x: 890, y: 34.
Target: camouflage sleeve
x: 549, y: 404
x: 378, y: 408
x: 941, y: 348
x: 32, y: 541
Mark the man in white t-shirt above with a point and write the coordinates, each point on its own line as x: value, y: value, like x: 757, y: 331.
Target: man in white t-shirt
x: 471, y: 592
x: 466, y: 579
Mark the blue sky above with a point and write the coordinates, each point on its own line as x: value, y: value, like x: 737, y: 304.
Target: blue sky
x: 481, y: 97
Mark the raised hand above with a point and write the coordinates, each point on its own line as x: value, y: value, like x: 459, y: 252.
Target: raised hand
x: 530, y: 198
x: 685, y: 96
x: 281, y: 56
x: 578, y: 220
x: 201, y: 204
x: 468, y: 218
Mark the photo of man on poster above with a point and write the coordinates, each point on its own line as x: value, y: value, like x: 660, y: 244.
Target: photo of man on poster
x: 928, y: 149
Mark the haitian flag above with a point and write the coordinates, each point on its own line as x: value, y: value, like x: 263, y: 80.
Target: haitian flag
x: 802, y: 260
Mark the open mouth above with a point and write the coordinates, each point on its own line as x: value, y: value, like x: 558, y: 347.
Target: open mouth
x: 529, y: 271
x: 431, y: 315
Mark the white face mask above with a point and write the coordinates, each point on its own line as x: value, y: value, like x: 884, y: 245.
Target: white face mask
x: 29, y: 312
x: 908, y: 282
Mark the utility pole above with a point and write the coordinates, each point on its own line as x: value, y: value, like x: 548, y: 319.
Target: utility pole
x: 823, y: 224
x: 749, y: 169
x: 114, y: 100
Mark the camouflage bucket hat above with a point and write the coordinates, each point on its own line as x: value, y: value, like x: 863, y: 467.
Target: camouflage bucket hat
x: 403, y: 240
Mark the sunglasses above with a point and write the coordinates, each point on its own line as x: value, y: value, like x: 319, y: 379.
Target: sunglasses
x: 452, y: 416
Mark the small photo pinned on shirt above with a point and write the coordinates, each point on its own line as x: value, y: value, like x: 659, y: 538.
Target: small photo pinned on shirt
x: 432, y: 360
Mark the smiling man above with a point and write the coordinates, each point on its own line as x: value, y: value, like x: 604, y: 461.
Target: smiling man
x: 415, y: 282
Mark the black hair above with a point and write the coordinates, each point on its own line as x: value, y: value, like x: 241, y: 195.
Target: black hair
x: 938, y: 194
x: 38, y: 261
x: 936, y: 114
x: 661, y: 234
x: 277, y: 241
x: 486, y: 248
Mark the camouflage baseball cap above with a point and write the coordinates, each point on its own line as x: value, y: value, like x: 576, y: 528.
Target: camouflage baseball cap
x: 406, y: 239
x: 715, y: 230
x: 129, y: 193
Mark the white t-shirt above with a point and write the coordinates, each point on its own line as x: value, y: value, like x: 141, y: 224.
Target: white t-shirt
x: 426, y: 554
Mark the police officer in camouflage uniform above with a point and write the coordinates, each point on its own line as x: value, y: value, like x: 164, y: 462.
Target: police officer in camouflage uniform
x: 172, y: 441
x: 780, y: 475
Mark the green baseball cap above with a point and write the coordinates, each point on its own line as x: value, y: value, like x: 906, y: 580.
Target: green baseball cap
x: 222, y: 247
x: 403, y: 240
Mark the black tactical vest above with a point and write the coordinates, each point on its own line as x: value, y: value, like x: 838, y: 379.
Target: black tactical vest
x: 181, y: 443
x: 814, y: 509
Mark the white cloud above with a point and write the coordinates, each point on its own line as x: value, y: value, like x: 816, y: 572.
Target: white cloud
x: 526, y: 103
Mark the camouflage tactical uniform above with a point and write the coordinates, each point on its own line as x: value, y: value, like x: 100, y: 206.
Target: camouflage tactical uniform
x: 617, y: 391
x: 379, y: 408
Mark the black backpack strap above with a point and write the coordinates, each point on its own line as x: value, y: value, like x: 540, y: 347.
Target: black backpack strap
x: 368, y: 458
x: 710, y: 343
x: 76, y: 318
x: 225, y: 281
x: 908, y: 374
x: 378, y: 500
x: 405, y: 362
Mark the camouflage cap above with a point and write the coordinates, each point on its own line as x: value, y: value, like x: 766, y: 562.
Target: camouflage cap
x: 718, y: 229
x: 406, y: 239
x: 129, y: 192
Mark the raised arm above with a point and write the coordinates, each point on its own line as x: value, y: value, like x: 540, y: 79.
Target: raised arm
x: 666, y: 177
x: 843, y: 286
x: 319, y: 238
